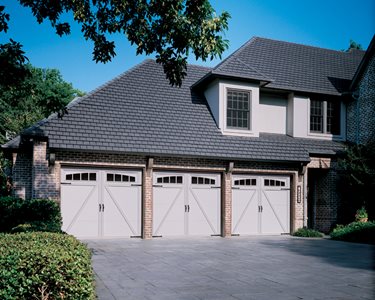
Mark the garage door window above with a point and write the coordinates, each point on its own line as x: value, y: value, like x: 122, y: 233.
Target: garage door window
x: 246, y: 182
x: 81, y: 177
x: 170, y: 179
x: 120, y: 178
x: 273, y: 182
x: 202, y: 180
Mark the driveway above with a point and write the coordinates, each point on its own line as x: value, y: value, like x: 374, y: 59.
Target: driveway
x: 269, y: 268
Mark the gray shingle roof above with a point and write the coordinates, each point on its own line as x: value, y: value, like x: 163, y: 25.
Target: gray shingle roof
x: 293, y: 67
x: 139, y: 112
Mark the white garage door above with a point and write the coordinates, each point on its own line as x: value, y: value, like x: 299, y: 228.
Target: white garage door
x: 101, y: 203
x: 186, y: 204
x: 260, y: 204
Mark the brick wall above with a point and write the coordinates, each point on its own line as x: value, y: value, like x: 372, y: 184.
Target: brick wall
x: 325, y: 195
x: 21, y: 173
x: 361, y: 112
x: 45, y: 179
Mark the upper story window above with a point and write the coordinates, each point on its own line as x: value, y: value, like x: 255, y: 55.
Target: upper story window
x: 325, y: 117
x: 238, y: 109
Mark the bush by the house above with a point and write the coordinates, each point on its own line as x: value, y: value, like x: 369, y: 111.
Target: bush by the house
x: 306, y: 232
x: 29, y: 215
x: 43, y: 265
x: 358, y: 232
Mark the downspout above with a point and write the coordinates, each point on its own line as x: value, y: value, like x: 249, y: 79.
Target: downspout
x: 304, y: 173
x: 305, y: 198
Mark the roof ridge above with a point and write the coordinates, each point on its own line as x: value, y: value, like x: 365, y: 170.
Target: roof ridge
x: 307, y: 46
x: 254, y: 69
x: 239, y: 50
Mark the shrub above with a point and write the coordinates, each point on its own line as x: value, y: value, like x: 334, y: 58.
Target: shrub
x: 357, y: 232
x: 41, y: 265
x: 10, y: 213
x: 40, y: 214
x: 306, y: 232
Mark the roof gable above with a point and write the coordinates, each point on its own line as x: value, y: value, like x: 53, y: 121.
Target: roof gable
x: 294, y: 67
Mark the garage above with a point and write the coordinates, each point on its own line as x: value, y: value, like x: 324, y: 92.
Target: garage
x: 260, y: 205
x: 101, y: 203
x: 186, y: 204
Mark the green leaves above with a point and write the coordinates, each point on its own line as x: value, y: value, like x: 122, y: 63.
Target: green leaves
x: 168, y: 28
x: 33, y: 265
x: 38, y: 95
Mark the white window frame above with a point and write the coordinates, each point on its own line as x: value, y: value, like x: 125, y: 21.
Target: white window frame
x: 249, y: 110
x: 324, y: 134
x: 253, y: 91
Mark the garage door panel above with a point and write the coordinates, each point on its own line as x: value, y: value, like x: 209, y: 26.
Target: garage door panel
x: 275, y: 212
x: 260, y: 204
x: 204, y: 211
x: 186, y: 204
x: 122, y: 211
x: 97, y: 203
x: 244, y: 211
x: 79, y: 210
x: 168, y: 211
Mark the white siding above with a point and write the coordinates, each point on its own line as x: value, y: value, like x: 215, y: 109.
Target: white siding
x: 272, y: 113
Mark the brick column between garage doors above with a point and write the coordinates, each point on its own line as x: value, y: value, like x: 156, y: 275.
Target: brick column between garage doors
x: 147, y: 203
x: 227, y: 204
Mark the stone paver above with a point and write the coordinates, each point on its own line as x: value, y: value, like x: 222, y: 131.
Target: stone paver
x: 235, y: 268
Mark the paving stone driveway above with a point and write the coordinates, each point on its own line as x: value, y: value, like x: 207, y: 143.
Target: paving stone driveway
x: 236, y: 268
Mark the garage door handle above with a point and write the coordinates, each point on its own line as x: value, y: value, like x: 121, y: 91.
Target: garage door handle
x: 235, y: 188
x: 215, y: 187
x: 100, y: 207
x: 66, y: 183
x: 157, y: 185
x: 188, y: 208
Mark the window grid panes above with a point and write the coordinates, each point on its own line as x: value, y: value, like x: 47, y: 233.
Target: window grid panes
x: 333, y: 117
x: 202, y: 180
x: 246, y: 182
x: 170, y: 179
x: 316, y: 116
x: 325, y: 116
x: 120, y: 178
x: 238, y: 109
x: 81, y: 177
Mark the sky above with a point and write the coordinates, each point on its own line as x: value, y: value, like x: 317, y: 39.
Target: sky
x: 322, y: 23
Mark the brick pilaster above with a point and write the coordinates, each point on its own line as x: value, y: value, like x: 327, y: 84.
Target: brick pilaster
x: 147, y: 202
x: 227, y: 204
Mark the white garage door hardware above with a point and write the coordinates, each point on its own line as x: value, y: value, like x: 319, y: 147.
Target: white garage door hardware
x: 186, y: 204
x: 260, y: 204
x: 101, y: 203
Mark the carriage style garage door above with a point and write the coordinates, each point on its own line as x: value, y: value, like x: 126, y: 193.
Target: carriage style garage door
x: 101, y: 203
x: 186, y: 204
x: 260, y: 204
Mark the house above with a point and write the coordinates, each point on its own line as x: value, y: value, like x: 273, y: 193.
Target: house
x: 361, y: 108
x: 247, y: 147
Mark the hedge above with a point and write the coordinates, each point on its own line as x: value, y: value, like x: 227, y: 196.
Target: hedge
x: 307, y: 232
x: 19, y: 215
x: 357, y: 232
x: 43, y: 265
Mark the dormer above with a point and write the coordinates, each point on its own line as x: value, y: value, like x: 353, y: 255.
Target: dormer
x: 234, y: 106
x: 232, y: 93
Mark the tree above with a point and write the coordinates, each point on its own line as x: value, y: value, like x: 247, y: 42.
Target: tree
x: 169, y: 28
x: 358, y: 166
x: 38, y: 95
x: 354, y: 45
x: 41, y: 93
